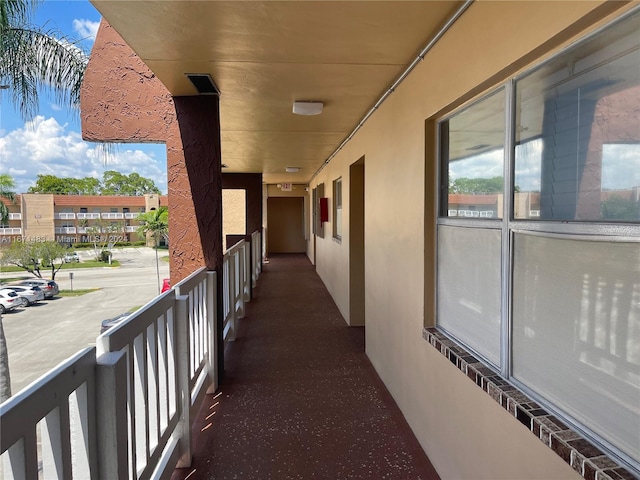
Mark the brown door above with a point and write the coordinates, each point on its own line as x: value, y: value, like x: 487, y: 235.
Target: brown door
x: 286, y: 225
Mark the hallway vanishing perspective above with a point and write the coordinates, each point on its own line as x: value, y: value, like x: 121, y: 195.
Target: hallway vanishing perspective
x: 300, y: 399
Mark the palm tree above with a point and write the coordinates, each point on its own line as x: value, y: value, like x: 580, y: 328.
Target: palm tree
x: 33, y: 60
x: 154, y: 223
x: 7, y: 186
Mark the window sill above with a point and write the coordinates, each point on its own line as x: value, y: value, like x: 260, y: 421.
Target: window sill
x: 579, y: 453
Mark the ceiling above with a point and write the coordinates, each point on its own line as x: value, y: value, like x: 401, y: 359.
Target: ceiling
x: 265, y: 55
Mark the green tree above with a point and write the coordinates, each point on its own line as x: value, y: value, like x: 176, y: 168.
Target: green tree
x: 66, y: 186
x: 33, y: 60
x: 476, y: 185
x: 619, y: 208
x: 116, y: 183
x: 35, y: 256
x: 155, y: 224
x: 7, y: 185
x: 101, y: 233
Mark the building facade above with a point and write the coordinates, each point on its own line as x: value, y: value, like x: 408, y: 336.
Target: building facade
x: 509, y: 339
x: 71, y: 219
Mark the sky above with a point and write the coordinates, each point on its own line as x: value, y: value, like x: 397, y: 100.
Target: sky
x: 51, y: 143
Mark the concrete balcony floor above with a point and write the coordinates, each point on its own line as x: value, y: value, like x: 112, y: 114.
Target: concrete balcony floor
x: 300, y: 399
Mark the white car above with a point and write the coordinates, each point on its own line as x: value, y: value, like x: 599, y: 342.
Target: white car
x: 71, y: 257
x: 9, y: 300
x: 29, y: 294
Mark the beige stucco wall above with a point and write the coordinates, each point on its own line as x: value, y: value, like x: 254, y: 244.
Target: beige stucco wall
x: 466, y: 434
x: 37, y: 217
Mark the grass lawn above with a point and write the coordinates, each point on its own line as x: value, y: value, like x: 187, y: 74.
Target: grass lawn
x: 65, y: 266
x: 76, y: 292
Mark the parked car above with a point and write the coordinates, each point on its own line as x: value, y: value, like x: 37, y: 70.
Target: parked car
x: 28, y: 294
x: 112, y: 322
x: 71, y: 257
x: 49, y: 287
x: 9, y: 300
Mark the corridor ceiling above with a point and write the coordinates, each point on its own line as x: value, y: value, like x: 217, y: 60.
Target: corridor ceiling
x: 265, y: 55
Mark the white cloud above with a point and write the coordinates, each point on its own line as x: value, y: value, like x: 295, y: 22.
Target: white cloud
x: 86, y: 28
x: 43, y: 146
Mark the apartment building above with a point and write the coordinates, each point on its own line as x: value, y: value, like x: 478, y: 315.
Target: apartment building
x: 509, y: 340
x: 70, y: 219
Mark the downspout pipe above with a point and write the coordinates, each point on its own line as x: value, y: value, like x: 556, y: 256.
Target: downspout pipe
x: 400, y: 79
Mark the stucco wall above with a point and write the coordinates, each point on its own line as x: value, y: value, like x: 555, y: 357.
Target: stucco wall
x: 123, y: 101
x: 466, y: 434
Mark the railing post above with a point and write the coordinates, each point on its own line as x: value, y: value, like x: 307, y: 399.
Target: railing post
x: 182, y: 347
x: 212, y: 329
x: 241, y: 280
x: 232, y: 298
x: 111, y: 410
x: 247, y: 272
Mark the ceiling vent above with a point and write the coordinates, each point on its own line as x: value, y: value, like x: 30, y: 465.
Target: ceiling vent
x: 203, y: 83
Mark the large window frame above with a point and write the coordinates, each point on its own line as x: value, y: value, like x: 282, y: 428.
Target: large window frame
x: 510, y: 226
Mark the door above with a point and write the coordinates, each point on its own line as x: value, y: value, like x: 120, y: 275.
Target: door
x: 286, y: 225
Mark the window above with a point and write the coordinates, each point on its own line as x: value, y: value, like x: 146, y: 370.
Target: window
x: 337, y: 208
x: 546, y: 287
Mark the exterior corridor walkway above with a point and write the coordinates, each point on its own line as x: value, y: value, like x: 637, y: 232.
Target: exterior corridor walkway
x: 300, y: 399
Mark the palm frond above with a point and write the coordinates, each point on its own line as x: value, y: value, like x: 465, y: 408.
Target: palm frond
x: 16, y: 12
x: 33, y: 60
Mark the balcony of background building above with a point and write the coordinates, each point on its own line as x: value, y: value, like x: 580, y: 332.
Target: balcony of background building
x: 11, y: 231
x: 112, y: 216
x: 65, y: 230
x: 64, y: 216
x: 88, y: 216
x: 15, y: 216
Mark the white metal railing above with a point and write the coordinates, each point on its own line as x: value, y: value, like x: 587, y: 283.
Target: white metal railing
x: 130, y: 215
x: 15, y: 216
x: 125, y: 408
x: 233, y: 271
x: 130, y: 228
x: 60, y: 409
x: 88, y: 216
x: 11, y: 231
x: 65, y: 216
x: 256, y: 257
x: 112, y: 215
x: 65, y: 229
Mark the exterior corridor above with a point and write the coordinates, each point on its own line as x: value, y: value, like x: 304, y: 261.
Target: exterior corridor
x: 300, y: 399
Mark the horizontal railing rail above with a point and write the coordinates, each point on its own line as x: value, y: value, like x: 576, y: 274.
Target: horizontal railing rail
x: 11, y: 231
x: 125, y: 408
x: 64, y: 216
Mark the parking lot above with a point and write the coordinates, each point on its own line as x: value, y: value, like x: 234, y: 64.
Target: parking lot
x: 41, y: 336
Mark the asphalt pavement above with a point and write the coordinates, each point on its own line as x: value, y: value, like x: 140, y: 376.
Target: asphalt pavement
x: 43, y: 335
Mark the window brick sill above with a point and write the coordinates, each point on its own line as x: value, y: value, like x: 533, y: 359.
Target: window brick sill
x: 579, y: 453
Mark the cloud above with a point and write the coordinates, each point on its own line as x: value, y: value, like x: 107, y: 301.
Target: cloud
x: 86, y: 28
x: 43, y: 146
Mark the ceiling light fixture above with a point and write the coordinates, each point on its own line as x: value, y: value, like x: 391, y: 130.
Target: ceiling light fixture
x: 307, y: 108
x: 292, y: 169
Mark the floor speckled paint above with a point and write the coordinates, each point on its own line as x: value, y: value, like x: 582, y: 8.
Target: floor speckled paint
x: 300, y: 399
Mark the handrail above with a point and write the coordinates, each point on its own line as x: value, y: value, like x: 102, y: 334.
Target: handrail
x: 125, y: 407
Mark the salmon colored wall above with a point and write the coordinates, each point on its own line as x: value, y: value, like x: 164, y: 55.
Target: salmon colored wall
x: 465, y: 433
x: 123, y: 101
